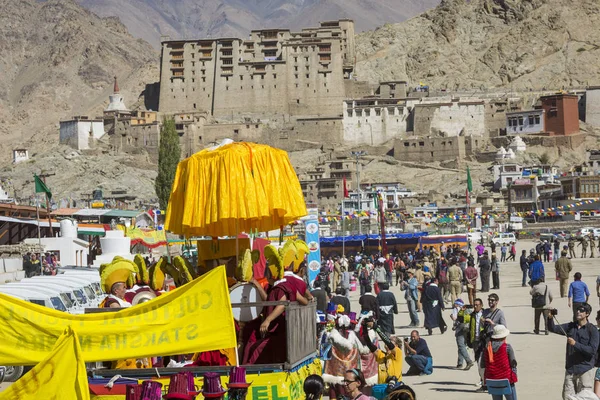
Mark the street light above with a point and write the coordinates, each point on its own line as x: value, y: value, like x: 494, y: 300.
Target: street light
x: 358, y: 155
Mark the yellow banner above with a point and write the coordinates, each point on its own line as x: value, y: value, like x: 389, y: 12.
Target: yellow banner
x: 61, y: 375
x: 265, y: 386
x: 193, y: 318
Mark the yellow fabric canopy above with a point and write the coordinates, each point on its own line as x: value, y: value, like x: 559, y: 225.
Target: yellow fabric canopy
x: 234, y: 188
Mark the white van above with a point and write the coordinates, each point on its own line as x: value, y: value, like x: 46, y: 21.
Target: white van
x: 84, y: 283
x: 77, y: 288
x: 51, y: 301
x: 504, y: 238
x: 72, y: 308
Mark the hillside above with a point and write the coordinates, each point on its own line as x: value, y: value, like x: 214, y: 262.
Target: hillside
x: 489, y: 43
x: 58, y: 60
x: 149, y: 19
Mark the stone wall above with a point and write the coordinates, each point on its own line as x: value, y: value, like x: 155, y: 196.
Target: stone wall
x: 592, y: 106
x: 374, y: 125
x: 429, y: 149
x: 76, y: 133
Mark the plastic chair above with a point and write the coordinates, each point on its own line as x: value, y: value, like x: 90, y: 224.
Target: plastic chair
x: 498, y: 386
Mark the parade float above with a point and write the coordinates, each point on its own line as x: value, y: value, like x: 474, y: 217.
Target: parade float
x: 222, y: 193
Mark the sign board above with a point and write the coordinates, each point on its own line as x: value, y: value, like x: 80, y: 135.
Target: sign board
x: 314, y: 246
x: 516, y: 219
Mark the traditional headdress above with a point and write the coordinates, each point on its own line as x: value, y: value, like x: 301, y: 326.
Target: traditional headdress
x: 142, y: 276
x: 237, y: 378
x: 117, y: 271
x: 301, y: 251
x: 212, y: 385
x: 280, y: 259
x: 157, y: 277
x: 244, y: 271
x: 183, y: 267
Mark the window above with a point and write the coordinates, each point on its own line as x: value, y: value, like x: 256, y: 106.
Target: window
x: 520, y: 120
x: 531, y: 120
x: 537, y: 119
x: 421, y: 144
x: 241, y: 77
x: 307, y: 76
x: 194, y: 105
x: 406, y: 144
x: 274, y: 76
x: 236, y: 131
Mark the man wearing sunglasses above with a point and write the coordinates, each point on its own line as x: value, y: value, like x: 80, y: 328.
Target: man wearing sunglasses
x: 582, y: 345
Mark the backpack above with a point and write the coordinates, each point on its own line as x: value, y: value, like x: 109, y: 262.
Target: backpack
x: 539, y: 300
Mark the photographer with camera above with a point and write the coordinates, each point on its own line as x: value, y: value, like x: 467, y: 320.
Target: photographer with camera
x: 418, y: 356
x: 582, y: 346
x: 541, y: 297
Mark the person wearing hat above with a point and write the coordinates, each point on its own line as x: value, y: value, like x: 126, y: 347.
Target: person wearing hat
x: 500, y: 361
x: 563, y: 268
x: 113, y: 278
x: 433, y: 305
x: 582, y: 344
x: 461, y: 319
x: 411, y: 295
x: 485, y: 269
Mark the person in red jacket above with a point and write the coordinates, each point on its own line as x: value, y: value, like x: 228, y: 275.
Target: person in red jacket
x: 500, y: 362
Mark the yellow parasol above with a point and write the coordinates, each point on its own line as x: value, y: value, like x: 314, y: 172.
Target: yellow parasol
x: 238, y: 187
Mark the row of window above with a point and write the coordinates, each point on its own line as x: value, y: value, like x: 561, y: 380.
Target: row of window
x: 518, y: 121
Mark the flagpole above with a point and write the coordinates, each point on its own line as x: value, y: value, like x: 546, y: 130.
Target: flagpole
x: 37, y: 212
x: 343, y: 232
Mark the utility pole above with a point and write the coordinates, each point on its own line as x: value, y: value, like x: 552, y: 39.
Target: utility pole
x: 358, y: 155
x: 43, y: 176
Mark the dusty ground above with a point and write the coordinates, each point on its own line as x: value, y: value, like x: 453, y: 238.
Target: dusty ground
x: 540, y: 358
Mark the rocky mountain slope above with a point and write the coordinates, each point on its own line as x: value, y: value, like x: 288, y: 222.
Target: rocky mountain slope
x: 149, y: 19
x: 58, y: 60
x: 489, y: 43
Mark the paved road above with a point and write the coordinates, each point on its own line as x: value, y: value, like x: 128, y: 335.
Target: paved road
x: 540, y: 358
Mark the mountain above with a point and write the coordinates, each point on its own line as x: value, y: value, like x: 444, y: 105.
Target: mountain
x: 149, y: 19
x: 57, y: 60
x: 521, y: 44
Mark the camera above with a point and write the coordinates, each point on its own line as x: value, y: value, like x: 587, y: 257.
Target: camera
x: 406, y: 339
x: 554, y: 312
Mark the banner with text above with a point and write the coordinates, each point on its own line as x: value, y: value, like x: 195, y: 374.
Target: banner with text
x: 179, y: 322
x: 314, y: 256
x: 61, y: 375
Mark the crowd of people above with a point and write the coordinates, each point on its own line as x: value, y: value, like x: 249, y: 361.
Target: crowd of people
x: 433, y: 280
x: 40, y: 264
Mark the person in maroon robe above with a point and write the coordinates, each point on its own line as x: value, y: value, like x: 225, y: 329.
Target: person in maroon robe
x: 265, y: 337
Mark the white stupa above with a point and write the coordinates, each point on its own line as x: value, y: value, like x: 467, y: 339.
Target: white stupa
x: 500, y: 154
x: 510, y: 154
x: 113, y: 244
x: 116, y: 101
x: 517, y: 145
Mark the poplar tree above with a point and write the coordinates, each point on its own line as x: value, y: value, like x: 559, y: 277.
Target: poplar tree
x: 169, y: 153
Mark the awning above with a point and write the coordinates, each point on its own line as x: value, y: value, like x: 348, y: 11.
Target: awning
x: 65, y: 211
x: 91, y: 212
x: 122, y: 213
x: 373, y: 237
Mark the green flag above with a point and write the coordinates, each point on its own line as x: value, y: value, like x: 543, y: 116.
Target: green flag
x: 469, y: 182
x: 40, y: 187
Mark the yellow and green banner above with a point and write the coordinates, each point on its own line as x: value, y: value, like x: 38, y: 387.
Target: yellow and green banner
x: 193, y: 318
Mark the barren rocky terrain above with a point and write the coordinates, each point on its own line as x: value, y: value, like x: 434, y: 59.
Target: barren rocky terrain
x: 521, y: 44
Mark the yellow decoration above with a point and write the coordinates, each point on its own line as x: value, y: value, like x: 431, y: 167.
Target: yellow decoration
x: 181, y: 265
x: 141, y: 264
x: 275, y: 262
x: 178, y: 322
x: 60, y: 375
x: 239, y: 187
x: 301, y: 252
x: 157, y: 277
x: 117, y: 271
x: 168, y: 269
x: 244, y: 270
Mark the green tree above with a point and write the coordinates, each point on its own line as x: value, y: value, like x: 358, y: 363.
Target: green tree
x: 169, y: 153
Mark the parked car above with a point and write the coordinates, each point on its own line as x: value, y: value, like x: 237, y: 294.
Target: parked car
x: 503, y: 238
x: 586, y: 232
